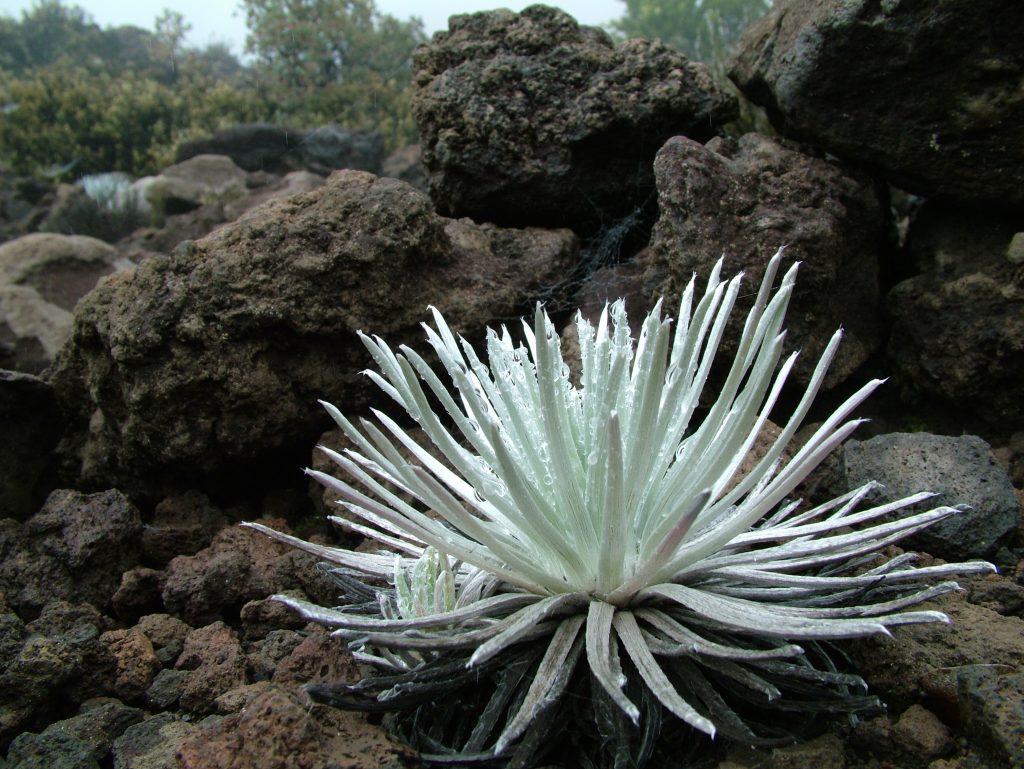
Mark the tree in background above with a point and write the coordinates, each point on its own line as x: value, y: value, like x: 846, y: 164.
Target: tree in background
x: 47, y: 32
x: 171, y: 29
x: 335, y: 61
x: 701, y: 29
x: 77, y: 99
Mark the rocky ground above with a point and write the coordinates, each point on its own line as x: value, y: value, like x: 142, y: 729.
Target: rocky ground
x: 163, y: 388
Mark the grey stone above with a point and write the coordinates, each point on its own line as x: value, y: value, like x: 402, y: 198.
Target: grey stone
x: 862, y: 80
x: 152, y: 744
x: 992, y: 708
x: 97, y: 725
x: 200, y: 180
x: 50, y: 750
x: 959, y: 470
x: 166, y: 689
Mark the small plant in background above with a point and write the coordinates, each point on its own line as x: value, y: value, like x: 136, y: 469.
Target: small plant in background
x: 109, y: 209
x: 608, y: 522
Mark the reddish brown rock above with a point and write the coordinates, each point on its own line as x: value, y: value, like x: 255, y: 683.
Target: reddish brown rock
x: 282, y: 730
x: 318, y: 659
x: 925, y: 658
x: 214, y: 657
x: 136, y: 662
x: 239, y: 566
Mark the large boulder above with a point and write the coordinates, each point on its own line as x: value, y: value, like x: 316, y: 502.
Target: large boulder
x: 42, y: 277
x: 926, y: 91
x: 279, y: 149
x: 213, y: 359
x: 958, y: 324
x: 744, y: 199
x: 530, y: 118
x: 200, y: 180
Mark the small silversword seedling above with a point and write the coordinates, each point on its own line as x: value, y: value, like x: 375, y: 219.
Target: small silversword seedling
x: 607, y: 521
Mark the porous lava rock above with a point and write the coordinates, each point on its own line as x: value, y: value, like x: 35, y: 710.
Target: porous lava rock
x: 239, y: 566
x: 924, y: 660
x: 743, y: 199
x: 216, y: 663
x: 957, y: 336
x: 280, y: 729
x: 992, y: 708
x: 210, y: 362
x: 74, y: 549
x: 959, y: 470
x: 50, y: 665
x: 926, y: 91
x: 530, y: 118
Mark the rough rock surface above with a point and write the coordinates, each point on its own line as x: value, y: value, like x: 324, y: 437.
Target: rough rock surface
x: 215, y: 357
x: 280, y: 730
x: 74, y: 549
x: 928, y: 92
x: 960, y: 470
x: 214, y: 658
x: 530, y: 118
x: 81, y: 741
x: 958, y: 324
x: 992, y: 707
x: 50, y: 665
x: 745, y: 198
x: 30, y: 427
x: 278, y: 149
x: 152, y: 744
x: 42, y: 277
x: 239, y: 566
x: 923, y: 660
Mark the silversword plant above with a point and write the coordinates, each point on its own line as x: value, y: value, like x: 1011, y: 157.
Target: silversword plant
x: 610, y: 521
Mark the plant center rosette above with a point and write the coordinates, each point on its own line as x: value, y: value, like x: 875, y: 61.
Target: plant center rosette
x: 608, y: 520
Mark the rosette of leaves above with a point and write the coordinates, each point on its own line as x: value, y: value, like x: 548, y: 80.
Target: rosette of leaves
x: 595, y: 547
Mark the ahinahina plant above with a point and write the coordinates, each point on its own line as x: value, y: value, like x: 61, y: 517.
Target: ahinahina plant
x: 607, y: 521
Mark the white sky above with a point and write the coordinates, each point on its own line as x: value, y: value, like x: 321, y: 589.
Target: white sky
x: 220, y: 21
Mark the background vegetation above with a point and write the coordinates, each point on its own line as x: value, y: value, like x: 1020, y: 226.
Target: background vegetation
x: 78, y: 99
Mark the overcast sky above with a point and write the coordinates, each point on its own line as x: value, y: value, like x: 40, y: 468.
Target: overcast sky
x: 220, y: 20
